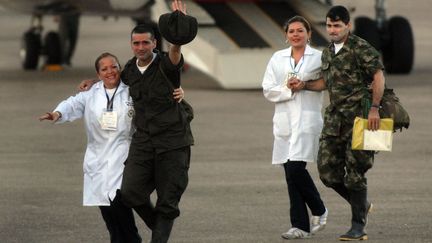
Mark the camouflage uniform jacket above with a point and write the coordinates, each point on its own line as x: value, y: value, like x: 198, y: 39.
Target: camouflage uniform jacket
x: 346, y: 74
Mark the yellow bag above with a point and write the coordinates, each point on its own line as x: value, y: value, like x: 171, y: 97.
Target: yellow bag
x: 364, y: 139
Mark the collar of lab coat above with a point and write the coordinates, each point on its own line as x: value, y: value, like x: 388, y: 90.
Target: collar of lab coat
x: 287, y: 52
x: 122, y: 86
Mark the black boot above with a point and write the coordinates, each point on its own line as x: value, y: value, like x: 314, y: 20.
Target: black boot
x: 359, y: 204
x: 162, y: 230
x: 147, y: 214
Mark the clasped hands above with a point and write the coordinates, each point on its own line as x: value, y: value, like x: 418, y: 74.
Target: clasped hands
x: 295, y: 84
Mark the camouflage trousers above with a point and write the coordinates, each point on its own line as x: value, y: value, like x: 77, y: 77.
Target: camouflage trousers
x: 338, y: 163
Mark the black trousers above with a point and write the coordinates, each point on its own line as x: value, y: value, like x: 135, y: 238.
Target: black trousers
x: 302, y: 194
x: 166, y: 172
x: 120, y: 222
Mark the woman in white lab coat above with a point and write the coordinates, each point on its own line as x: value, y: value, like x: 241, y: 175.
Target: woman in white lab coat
x: 297, y: 124
x: 108, y: 111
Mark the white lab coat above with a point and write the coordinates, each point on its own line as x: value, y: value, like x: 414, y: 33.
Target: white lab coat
x: 106, y: 150
x: 297, y: 121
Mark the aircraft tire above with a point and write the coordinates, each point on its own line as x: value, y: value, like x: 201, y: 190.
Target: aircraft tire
x: 52, y: 48
x: 30, y: 50
x: 367, y: 29
x: 398, y: 54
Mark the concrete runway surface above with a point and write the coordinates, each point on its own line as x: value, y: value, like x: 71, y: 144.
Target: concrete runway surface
x: 234, y: 194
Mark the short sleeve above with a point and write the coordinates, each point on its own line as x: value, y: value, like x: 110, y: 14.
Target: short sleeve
x: 369, y: 60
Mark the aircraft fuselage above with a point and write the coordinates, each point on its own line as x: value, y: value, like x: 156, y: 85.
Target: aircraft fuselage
x: 92, y: 7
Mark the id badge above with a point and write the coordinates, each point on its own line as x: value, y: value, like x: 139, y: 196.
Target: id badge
x: 109, y: 120
x: 289, y: 75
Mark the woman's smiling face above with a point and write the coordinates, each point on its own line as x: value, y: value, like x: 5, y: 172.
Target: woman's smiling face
x: 109, y: 72
x: 297, y: 34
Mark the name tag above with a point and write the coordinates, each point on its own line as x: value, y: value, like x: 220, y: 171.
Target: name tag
x: 109, y: 120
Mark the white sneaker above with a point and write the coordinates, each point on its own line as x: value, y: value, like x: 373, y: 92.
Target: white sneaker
x: 296, y: 233
x: 318, y: 223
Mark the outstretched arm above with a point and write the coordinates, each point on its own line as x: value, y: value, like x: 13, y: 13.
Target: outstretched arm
x: 68, y: 110
x: 51, y: 116
x: 175, y: 50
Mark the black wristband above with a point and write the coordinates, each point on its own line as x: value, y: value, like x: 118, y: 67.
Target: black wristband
x: 376, y: 106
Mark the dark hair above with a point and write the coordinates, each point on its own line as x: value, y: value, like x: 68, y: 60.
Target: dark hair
x: 337, y: 13
x: 142, y: 29
x: 300, y: 19
x: 103, y: 55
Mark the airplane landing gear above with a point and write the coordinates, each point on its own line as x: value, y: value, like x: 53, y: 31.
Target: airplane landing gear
x: 367, y: 29
x: 52, y: 48
x: 30, y: 50
x: 31, y: 45
x: 57, y: 47
x: 68, y: 35
x: 393, y: 37
x: 398, y: 51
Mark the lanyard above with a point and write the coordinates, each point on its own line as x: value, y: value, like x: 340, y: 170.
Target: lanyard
x: 294, y: 67
x: 110, y: 102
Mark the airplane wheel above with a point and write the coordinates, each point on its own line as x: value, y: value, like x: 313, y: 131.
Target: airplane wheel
x: 30, y: 50
x: 398, y: 54
x: 52, y: 48
x: 367, y: 29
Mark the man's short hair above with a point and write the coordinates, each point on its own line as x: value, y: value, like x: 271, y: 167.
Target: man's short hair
x: 337, y: 13
x: 142, y: 29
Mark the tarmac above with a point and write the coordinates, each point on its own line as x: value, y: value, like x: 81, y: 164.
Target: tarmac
x: 234, y: 195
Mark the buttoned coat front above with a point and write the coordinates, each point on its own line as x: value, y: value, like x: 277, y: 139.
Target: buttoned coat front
x: 297, y: 121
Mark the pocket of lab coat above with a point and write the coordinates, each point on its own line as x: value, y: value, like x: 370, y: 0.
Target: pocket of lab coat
x: 281, y: 124
x: 93, y: 164
x: 311, y: 122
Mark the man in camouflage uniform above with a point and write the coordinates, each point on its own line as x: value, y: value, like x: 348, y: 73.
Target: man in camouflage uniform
x: 349, y: 65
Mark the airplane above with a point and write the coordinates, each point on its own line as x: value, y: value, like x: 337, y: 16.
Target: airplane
x: 58, y: 47
x: 235, y: 39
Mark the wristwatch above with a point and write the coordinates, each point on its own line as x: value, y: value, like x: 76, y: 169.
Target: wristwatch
x: 376, y: 106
